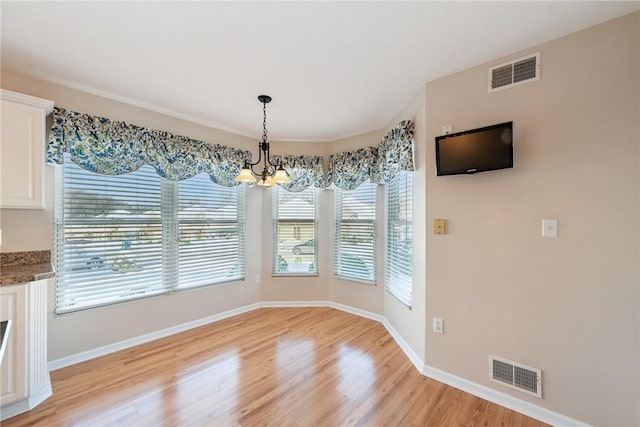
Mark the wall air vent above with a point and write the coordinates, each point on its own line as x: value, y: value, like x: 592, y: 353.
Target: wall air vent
x: 516, y: 376
x: 517, y: 72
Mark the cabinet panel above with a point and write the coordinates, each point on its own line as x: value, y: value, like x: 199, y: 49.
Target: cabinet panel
x: 38, y: 369
x: 22, y: 150
x: 13, y: 378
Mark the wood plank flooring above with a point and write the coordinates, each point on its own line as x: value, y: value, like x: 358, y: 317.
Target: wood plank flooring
x: 268, y: 367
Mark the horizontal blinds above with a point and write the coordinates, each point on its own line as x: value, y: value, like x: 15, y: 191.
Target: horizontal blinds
x: 294, y: 228
x: 109, y: 238
x: 354, y: 251
x: 400, y: 237
x: 211, y: 238
x: 135, y: 235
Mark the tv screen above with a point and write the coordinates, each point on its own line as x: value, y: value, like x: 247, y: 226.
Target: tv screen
x: 476, y: 150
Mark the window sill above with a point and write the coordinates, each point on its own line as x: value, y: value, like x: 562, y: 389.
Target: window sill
x: 294, y: 274
x: 353, y: 279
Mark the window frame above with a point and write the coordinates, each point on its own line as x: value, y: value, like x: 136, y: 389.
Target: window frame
x: 275, y: 195
x: 167, y: 227
x: 403, y: 182
x: 339, y: 222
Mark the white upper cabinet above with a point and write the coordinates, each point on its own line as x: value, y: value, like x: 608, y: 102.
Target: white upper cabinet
x: 22, y: 150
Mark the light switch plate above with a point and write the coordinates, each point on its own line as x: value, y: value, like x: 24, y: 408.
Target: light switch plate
x: 439, y: 226
x: 549, y: 228
x: 438, y: 325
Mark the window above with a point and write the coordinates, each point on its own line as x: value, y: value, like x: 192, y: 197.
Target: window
x: 400, y: 236
x: 355, y: 243
x: 129, y: 236
x: 294, y: 224
x: 211, y: 232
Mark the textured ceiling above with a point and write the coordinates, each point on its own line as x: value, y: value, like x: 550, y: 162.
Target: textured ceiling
x: 334, y: 69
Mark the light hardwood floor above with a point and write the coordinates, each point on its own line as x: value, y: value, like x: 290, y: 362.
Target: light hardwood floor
x: 268, y: 367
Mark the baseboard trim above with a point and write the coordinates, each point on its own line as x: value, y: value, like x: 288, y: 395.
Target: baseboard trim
x: 404, y: 346
x: 282, y: 304
x: 122, y: 345
x: 24, y: 405
x: 502, y: 399
x: 483, y: 392
x: 358, y: 312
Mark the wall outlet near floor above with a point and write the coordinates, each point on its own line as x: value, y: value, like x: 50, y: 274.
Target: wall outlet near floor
x: 447, y: 129
x: 438, y: 325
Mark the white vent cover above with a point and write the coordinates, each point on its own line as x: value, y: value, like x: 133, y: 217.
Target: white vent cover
x: 517, y: 72
x: 516, y: 376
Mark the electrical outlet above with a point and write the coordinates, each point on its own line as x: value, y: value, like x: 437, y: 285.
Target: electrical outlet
x: 447, y: 129
x: 438, y: 325
x: 257, y: 278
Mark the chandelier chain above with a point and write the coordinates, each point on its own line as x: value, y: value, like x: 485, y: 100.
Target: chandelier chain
x: 264, y: 122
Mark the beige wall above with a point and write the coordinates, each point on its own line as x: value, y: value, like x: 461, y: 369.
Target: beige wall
x: 359, y: 295
x: 295, y: 288
x: 567, y: 305
x: 33, y: 230
x: 410, y: 323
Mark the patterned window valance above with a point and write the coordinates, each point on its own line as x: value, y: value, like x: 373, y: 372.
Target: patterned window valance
x: 377, y: 164
x: 395, y: 152
x: 110, y: 147
x: 304, y: 171
x: 349, y: 169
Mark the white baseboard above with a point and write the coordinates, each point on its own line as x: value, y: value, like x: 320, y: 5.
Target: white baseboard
x: 404, y: 346
x: 24, y: 405
x: 121, y: 345
x: 273, y: 304
x: 502, y: 399
x: 358, y: 312
x: 475, y: 389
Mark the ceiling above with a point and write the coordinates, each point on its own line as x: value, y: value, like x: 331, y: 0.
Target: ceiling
x: 334, y: 69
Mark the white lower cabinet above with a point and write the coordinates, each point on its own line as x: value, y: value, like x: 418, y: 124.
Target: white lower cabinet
x: 24, y: 375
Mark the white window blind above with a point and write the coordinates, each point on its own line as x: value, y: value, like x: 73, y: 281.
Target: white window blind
x: 294, y: 228
x: 116, y: 236
x: 355, y: 242
x: 210, y: 217
x: 400, y: 236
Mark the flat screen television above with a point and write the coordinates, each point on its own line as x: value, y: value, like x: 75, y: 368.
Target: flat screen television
x: 477, y: 150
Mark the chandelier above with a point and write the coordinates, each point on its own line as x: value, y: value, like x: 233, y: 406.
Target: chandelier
x: 272, y: 173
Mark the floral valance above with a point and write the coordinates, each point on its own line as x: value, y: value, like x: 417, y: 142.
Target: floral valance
x: 349, y: 169
x: 395, y: 152
x: 114, y: 148
x: 379, y: 164
x: 304, y: 171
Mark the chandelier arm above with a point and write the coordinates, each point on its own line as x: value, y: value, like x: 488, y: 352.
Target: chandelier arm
x: 259, y: 159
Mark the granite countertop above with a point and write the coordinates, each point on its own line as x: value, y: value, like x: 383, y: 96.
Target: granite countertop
x: 24, y: 267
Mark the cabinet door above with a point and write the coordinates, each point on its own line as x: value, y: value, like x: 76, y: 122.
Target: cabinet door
x: 22, y: 156
x: 13, y: 375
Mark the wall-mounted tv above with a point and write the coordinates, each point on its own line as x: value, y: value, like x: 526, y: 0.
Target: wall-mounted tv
x: 477, y: 150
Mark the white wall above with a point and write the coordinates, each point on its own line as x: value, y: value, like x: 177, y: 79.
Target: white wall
x: 568, y: 305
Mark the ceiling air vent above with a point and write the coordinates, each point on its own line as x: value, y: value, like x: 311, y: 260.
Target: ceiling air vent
x: 516, y: 376
x: 522, y: 70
